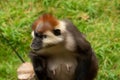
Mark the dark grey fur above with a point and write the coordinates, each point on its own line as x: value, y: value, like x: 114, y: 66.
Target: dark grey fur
x: 87, y: 63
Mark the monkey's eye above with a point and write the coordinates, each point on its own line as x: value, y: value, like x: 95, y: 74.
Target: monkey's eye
x: 40, y: 35
x: 45, y: 36
x: 57, y: 32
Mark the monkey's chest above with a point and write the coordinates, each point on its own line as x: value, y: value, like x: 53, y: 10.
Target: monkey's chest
x: 62, y: 68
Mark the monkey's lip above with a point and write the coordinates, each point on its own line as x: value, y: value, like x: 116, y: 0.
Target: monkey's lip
x: 36, y: 49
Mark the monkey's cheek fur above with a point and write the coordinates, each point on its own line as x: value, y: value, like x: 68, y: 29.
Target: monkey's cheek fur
x: 49, y: 45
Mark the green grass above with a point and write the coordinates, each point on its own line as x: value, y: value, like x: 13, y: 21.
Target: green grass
x: 98, y: 19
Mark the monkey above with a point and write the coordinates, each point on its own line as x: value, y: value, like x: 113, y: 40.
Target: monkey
x: 59, y: 51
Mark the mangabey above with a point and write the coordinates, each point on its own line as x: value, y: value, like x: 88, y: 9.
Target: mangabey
x: 60, y: 51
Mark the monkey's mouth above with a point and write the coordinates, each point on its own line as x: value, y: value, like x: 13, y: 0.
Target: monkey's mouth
x: 45, y: 47
x: 37, y: 49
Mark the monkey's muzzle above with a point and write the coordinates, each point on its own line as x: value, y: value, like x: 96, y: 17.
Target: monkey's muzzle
x: 36, y: 44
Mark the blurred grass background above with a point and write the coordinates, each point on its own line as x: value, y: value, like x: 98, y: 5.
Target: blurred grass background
x: 98, y: 19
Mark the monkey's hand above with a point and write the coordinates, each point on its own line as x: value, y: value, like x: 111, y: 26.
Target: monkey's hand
x: 38, y: 63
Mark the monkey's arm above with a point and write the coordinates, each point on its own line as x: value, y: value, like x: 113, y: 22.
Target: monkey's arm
x: 87, y: 67
x: 38, y: 65
x: 87, y: 62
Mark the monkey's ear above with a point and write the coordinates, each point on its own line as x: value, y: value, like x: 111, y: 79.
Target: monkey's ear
x: 57, y: 32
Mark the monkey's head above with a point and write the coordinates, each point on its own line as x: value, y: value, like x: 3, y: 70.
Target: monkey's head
x: 47, y: 32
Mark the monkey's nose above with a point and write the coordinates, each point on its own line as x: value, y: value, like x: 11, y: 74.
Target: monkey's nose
x: 36, y: 44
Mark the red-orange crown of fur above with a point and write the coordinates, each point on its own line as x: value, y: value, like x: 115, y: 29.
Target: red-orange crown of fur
x: 44, y: 20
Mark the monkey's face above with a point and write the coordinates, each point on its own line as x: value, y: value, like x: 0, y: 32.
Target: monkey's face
x: 47, y: 32
x: 46, y: 39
